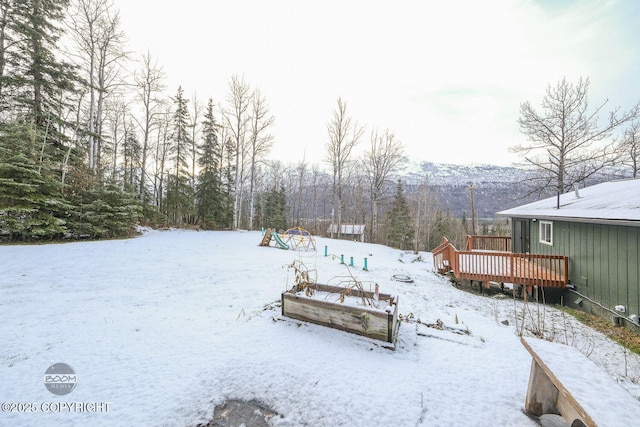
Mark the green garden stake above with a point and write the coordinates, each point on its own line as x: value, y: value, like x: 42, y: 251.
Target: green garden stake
x: 365, y: 265
x: 325, y: 251
x: 351, y: 262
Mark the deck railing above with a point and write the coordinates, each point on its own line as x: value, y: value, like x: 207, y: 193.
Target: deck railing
x: 521, y: 269
x: 502, y: 266
x: 443, y: 255
x: 488, y: 243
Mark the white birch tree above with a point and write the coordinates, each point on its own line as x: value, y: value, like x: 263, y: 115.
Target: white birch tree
x: 149, y: 83
x: 344, y: 135
x: 236, y: 118
x: 95, y: 27
x: 195, y: 128
x: 260, y: 141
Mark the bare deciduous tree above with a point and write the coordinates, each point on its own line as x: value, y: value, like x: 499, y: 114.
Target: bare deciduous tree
x: 302, y: 172
x: 116, y: 111
x: 149, y: 81
x: 567, y: 142
x: 95, y: 26
x: 236, y: 119
x: 317, y: 192
x: 426, y: 205
x: 344, y: 135
x: 259, y: 143
x: 195, y: 127
x: 163, y: 146
x: 630, y: 148
x: 380, y: 161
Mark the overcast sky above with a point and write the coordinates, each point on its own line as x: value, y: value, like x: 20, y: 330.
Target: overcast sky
x: 446, y: 77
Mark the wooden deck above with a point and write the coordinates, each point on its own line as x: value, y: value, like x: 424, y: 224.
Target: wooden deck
x: 500, y: 265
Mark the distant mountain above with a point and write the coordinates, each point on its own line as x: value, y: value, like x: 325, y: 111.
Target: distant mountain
x: 495, y: 188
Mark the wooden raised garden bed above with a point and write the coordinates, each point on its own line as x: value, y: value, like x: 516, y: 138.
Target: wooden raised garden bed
x: 344, y: 308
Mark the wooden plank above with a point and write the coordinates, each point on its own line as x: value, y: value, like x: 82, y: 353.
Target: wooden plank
x: 585, y: 391
x: 350, y: 319
x: 334, y: 305
x: 567, y: 397
x: 569, y: 411
x: 393, y: 324
x: 542, y: 394
x: 340, y: 290
x: 367, y: 321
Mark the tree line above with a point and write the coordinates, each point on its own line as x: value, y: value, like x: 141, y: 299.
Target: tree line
x: 89, y: 149
x: 91, y: 145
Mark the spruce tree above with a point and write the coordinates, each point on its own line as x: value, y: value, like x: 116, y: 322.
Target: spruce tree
x: 274, y: 209
x: 179, y: 191
x: 400, y: 230
x: 212, y: 200
x: 104, y: 211
x: 31, y: 205
x: 36, y: 77
x: 6, y: 41
x: 35, y: 87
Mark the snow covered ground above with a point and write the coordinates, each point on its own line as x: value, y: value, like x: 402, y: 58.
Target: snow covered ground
x: 163, y: 327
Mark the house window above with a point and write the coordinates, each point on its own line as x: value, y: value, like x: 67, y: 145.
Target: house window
x: 546, y: 232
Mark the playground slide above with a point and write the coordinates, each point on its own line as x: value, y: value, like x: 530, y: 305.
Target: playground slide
x: 279, y: 241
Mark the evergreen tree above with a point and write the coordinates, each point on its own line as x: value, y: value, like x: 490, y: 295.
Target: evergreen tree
x: 463, y: 223
x: 400, y: 230
x: 131, y: 153
x: 485, y: 229
x: 35, y: 88
x: 179, y: 191
x: 46, y: 191
x: 274, y: 209
x: 439, y: 229
x: 31, y: 204
x: 444, y: 225
x: 104, y: 211
x: 6, y: 41
x: 36, y: 77
x: 228, y: 171
x: 212, y: 201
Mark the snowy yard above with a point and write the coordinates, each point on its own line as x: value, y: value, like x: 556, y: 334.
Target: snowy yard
x: 163, y: 327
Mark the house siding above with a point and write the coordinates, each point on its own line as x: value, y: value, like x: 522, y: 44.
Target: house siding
x: 604, y: 260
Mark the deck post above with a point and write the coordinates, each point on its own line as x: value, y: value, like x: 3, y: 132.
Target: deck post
x: 511, y: 272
